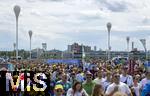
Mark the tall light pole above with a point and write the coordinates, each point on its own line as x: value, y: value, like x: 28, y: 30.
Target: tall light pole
x: 17, y: 11
x: 143, y: 41
x: 128, y: 40
x: 30, y: 35
x: 132, y: 45
x: 109, y: 47
x: 14, y: 45
x: 62, y: 55
x: 83, y: 54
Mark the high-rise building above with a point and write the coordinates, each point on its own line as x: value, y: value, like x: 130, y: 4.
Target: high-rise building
x: 78, y: 48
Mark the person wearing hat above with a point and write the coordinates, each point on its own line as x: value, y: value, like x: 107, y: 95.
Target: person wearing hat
x: 88, y: 85
x: 58, y: 90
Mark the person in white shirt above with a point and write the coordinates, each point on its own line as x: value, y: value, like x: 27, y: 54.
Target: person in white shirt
x: 125, y: 78
x: 99, y: 80
x: 76, y: 90
x: 117, y: 86
x: 136, y: 88
x: 108, y: 80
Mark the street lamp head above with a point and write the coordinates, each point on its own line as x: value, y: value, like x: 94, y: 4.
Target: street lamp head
x: 143, y: 41
x: 17, y: 10
x: 30, y: 33
x: 14, y: 44
x: 128, y: 38
x: 109, y: 26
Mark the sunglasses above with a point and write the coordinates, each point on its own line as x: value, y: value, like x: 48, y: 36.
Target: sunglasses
x: 72, y: 74
x: 59, y: 90
x: 89, y: 77
x: 116, y: 76
x: 65, y: 77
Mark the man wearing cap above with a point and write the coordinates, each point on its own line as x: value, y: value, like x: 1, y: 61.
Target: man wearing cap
x: 58, y: 90
x: 88, y: 85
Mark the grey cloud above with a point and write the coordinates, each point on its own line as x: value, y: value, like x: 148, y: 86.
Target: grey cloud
x: 86, y: 17
x: 31, y: 1
x: 44, y: 0
x: 114, y: 6
x: 117, y: 7
x: 50, y: 0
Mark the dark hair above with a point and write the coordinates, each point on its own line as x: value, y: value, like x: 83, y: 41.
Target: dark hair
x: 74, y: 86
x: 134, y: 77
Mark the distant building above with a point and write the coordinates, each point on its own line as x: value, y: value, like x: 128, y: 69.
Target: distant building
x: 36, y: 53
x: 67, y: 55
x: 95, y: 49
x: 54, y: 54
x: 76, y: 50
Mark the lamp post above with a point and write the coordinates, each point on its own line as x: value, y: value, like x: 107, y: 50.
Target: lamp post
x: 128, y: 40
x: 109, y: 28
x: 30, y: 35
x: 14, y: 44
x: 83, y: 54
x: 17, y: 11
x: 62, y: 55
x: 143, y: 41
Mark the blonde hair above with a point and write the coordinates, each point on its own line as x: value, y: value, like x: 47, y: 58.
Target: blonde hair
x: 119, y: 94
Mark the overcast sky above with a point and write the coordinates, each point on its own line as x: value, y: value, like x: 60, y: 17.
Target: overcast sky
x: 63, y: 22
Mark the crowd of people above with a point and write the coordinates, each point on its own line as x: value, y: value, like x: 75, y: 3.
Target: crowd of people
x: 100, y: 79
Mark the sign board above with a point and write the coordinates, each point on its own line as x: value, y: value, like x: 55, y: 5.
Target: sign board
x: 147, y: 65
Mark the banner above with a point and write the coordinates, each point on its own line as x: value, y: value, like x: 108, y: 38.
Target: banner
x: 71, y: 61
x: 147, y: 65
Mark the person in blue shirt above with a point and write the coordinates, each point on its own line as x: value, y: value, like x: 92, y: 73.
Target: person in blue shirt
x: 146, y: 90
x: 52, y: 85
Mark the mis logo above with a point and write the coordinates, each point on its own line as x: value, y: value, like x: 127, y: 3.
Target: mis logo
x: 25, y: 81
